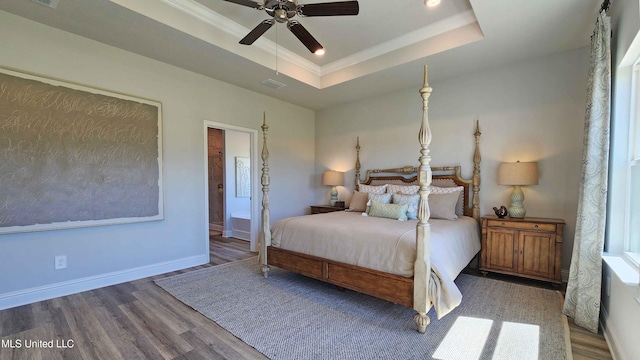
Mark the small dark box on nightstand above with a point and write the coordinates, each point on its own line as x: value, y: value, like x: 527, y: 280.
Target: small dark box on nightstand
x: 340, y: 204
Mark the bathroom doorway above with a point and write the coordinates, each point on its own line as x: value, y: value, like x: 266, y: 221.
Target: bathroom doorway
x: 216, y: 166
x: 231, y: 182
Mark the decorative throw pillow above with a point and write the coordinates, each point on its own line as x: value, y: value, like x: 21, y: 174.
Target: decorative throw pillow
x: 372, y: 189
x: 443, y: 206
x: 451, y: 189
x: 404, y: 189
x: 358, y: 201
x: 412, y: 200
x: 383, y: 198
x: 389, y: 211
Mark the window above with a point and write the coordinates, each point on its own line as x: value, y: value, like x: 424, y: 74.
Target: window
x: 632, y: 224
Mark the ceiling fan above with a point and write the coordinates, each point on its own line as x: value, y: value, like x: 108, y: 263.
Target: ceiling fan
x: 283, y: 10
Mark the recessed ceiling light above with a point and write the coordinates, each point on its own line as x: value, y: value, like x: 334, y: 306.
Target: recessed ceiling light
x: 431, y: 3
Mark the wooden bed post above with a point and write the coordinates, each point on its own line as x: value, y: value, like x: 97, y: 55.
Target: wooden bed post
x: 422, y: 266
x: 265, y: 239
x: 475, y: 201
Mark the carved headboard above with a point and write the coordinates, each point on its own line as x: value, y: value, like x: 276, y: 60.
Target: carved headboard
x: 446, y: 176
x: 442, y: 177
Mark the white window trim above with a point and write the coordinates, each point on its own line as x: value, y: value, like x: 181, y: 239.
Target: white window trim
x: 632, y: 159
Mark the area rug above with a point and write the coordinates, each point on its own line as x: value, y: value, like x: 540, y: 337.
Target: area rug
x: 288, y: 316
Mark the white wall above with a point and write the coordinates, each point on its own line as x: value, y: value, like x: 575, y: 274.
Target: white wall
x: 620, y: 312
x: 235, y: 144
x: 107, y: 254
x: 532, y: 111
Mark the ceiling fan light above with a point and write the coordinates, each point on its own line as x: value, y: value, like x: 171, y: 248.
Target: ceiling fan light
x: 432, y: 3
x: 319, y: 51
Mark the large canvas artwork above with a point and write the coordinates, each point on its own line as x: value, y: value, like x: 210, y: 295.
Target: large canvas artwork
x: 73, y: 156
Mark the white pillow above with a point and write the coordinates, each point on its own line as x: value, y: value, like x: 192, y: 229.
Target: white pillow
x: 372, y: 189
x: 404, y: 189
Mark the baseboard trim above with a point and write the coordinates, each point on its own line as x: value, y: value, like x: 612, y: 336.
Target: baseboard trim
x: 610, y: 336
x: 46, y: 292
x: 241, y: 234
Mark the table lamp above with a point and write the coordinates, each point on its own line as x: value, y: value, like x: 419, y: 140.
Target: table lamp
x: 333, y: 178
x: 518, y: 174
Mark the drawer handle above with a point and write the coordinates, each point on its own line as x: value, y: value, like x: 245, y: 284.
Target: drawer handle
x: 535, y: 226
x: 503, y: 223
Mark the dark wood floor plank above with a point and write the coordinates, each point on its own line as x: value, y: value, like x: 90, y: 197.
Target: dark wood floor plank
x: 17, y: 319
x: 210, y: 348
x: 122, y: 332
x: 88, y: 333
x: 167, y: 342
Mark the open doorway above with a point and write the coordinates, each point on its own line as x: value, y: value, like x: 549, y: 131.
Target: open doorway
x: 215, y: 165
x: 231, y: 183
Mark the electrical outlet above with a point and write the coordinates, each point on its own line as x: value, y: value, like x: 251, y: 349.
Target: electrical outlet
x: 60, y: 262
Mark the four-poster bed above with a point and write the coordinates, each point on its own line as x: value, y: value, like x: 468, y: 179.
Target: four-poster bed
x: 402, y: 273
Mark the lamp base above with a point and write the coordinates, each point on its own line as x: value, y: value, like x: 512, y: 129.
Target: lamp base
x: 334, y: 196
x: 517, y: 210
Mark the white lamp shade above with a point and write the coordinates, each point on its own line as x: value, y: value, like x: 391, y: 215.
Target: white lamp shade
x: 518, y: 173
x: 333, y: 178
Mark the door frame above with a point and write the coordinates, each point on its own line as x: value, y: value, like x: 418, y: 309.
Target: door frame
x: 255, y: 216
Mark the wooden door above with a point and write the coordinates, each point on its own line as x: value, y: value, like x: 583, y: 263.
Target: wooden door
x: 536, y: 254
x: 501, y: 249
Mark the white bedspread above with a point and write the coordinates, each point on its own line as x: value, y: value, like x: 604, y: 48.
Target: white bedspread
x: 386, y: 245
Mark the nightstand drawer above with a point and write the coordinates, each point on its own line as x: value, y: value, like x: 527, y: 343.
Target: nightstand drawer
x: 523, y: 225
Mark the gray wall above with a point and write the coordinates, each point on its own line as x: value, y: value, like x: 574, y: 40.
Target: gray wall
x: 98, y: 256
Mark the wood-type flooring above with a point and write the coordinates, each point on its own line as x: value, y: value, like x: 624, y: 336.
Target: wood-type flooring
x: 139, y: 320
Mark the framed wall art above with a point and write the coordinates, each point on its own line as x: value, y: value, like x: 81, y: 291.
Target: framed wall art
x: 75, y: 156
x: 243, y: 177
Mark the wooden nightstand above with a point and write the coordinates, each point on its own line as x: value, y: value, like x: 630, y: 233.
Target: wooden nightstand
x: 529, y: 247
x: 319, y: 209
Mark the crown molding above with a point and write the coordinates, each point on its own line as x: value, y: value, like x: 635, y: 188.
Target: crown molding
x: 427, y: 32
x: 314, y: 73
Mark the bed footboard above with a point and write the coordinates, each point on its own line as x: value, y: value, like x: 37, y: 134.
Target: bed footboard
x: 394, y: 288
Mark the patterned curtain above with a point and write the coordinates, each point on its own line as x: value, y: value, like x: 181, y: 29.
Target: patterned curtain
x: 582, y: 300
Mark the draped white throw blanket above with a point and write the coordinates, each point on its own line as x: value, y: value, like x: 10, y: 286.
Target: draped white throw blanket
x: 582, y: 301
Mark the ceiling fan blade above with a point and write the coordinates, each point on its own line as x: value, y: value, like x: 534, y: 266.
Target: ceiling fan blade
x: 257, y: 32
x: 249, y: 3
x: 304, y: 36
x: 330, y: 9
